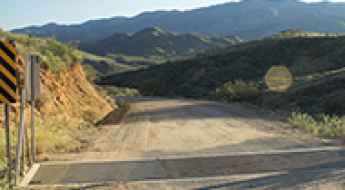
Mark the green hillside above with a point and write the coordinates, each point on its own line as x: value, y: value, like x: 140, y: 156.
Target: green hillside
x: 310, y: 59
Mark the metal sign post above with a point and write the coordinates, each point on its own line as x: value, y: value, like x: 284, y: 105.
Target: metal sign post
x: 21, y: 130
x: 32, y: 85
x: 33, y: 132
x: 8, y: 143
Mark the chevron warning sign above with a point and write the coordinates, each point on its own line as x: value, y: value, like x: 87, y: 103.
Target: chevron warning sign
x: 8, y: 73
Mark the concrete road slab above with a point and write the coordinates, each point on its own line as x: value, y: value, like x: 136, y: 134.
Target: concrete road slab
x: 182, y: 168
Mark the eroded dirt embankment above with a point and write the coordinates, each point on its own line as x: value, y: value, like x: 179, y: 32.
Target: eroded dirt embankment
x: 67, y: 104
x: 71, y: 94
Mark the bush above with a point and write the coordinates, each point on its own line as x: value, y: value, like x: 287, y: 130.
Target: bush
x: 237, y: 91
x: 323, y: 125
x: 54, y: 63
x: 334, y: 103
x: 121, y: 91
x: 151, y: 87
x: 304, y: 121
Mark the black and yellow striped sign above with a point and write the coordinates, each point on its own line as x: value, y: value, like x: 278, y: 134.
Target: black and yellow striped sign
x: 8, y: 73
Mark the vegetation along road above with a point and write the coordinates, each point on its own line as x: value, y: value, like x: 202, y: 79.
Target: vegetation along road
x: 181, y: 144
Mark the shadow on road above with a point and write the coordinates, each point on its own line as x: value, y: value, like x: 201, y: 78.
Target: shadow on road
x: 294, y: 178
x: 115, y: 117
x: 321, y: 174
x: 252, y: 145
x: 299, y: 165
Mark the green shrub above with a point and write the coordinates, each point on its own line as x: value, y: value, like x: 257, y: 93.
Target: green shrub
x: 121, y: 91
x: 54, y: 63
x: 323, y: 125
x: 237, y: 91
x: 151, y: 87
x: 304, y: 121
x: 334, y: 103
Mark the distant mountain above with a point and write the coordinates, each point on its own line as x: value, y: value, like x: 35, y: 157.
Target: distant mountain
x: 156, y: 42
x: 248, y: 19
x: 88, y: 31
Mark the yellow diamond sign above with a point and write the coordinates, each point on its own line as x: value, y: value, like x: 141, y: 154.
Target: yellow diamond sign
x: 279, y: 78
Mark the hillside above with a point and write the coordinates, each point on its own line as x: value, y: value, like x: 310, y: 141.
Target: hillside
x: 310, y: 59
x: 248, y: 19
x: 156, y: 42
x: 97, y: 66
x: 69, y: 105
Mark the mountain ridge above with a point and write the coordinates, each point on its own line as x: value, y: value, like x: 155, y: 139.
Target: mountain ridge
x: 155, y: 41
x: 249, y: 19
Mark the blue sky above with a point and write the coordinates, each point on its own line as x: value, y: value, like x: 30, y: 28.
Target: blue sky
x: 19, y: 13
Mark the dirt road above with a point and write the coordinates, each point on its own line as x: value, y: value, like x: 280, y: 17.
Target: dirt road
x: 179, y: 139
x: 160, y: 127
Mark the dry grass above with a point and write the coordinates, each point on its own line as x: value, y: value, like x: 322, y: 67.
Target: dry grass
x: 57, y: 134
x: 60, y: 134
